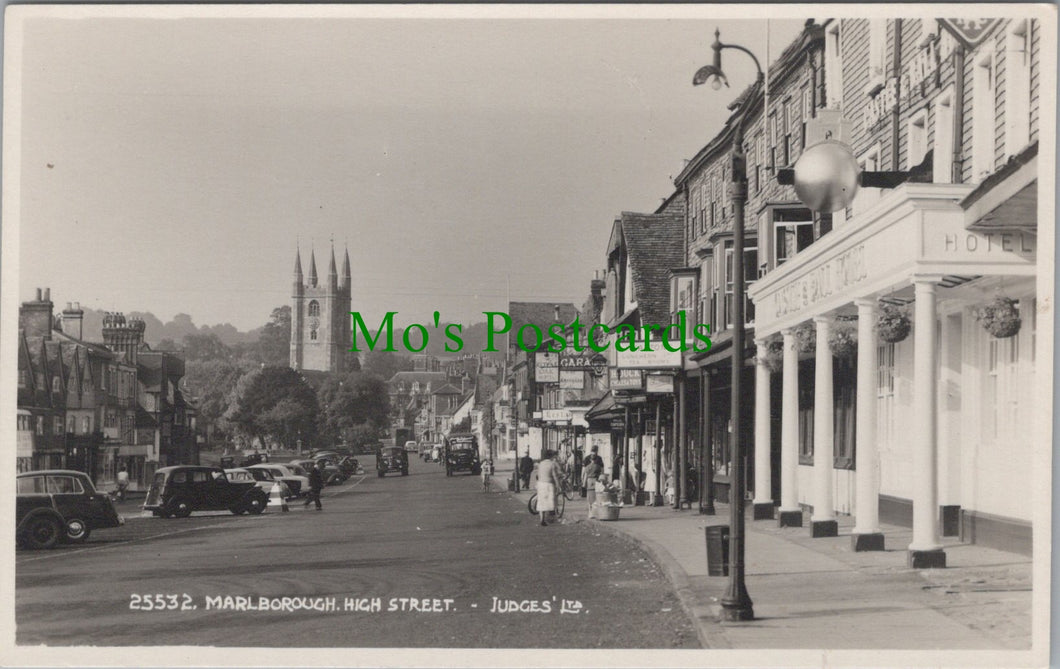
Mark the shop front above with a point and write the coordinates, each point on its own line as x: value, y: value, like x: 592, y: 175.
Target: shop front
x: 896, y: 402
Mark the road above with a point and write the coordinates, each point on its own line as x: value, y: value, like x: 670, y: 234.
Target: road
x: 419, y: 561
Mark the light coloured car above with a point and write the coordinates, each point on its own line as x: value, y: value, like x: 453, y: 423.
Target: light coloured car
x: 263, y: 478
x: 293, y: 477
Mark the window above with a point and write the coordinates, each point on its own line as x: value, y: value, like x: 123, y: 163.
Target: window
x: 314, y: 308
x: 877, y: 54
x: 806, y: 401
x: 713, y: 201
x: 750, y: 273
x: 844, y: 384
x: 833, y: 68
x: 40, y: 425
x: 916, y: 139
x: 885, y: 371
x: 785, y: 134
x: 866, y: 197
x: 942, y: 147
x: 792, y: 232
x: 63, y: 485
x: 55, y: 385
x: 22, y: 378
x: 30, y: 485
x: 703, y: 195
x: 1017, y: 87
x: 313, y: 335
x: 983, y: 93
x: 59, y: 425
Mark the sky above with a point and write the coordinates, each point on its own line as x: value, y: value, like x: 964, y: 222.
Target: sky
x: 174, y: 164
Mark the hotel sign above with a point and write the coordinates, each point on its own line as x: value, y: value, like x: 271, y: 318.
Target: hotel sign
x: 971, y: 32
x: 657, y: 358
x: 837, y: 274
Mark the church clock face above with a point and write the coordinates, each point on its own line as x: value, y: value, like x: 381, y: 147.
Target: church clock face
x: 314, y: 323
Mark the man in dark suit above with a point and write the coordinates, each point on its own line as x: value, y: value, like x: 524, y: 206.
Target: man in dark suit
x: 316, y: 484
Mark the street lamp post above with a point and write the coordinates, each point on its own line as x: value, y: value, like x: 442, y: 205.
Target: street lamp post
x: 736, y: 604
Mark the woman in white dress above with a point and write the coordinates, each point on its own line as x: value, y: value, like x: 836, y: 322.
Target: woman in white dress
x: 547, y: 485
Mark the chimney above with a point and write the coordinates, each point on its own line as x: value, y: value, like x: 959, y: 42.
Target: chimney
x: 73, y: 320
x: 123, y: 336
x: 555, y: 314
x: 35, y: 317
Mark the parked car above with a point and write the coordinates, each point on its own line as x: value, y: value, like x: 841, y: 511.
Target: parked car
x: 180, y: 490
x: 411, y: 446
x: 346, y: 463
x: 53, y: 505
x: 461, y: 454
x: 332, y: 474
x: 392, y: 459
x: 297, y: 484
x: 253, y: 459
x: 262, y: 478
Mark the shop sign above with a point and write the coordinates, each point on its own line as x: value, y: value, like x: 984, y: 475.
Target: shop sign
x: 555, y: 415
x: 571, y: 380
x: 971, y: 32
x: 660, y: 383
x: 618, y: 424
x: 546, y: 367
x: 625, y: 379
x: 835, y: 275
x: 587, y: 362
x: 653, y: 359
x: 536, y: 415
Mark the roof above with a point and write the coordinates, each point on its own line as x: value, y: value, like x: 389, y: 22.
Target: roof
x: 654, y: 245
x: 541, y: 314
x: 1008, y: 198
x: 446, y: 389
x: 417, y: 377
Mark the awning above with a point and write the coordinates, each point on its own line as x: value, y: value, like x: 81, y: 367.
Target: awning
x: 1008, y: 199
x: 605, y: 409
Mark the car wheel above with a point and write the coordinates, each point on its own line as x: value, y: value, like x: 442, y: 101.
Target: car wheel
x: 77, y: 531
x: 179, y: 508
x: 43, y: 532
x: 237, y: 510
x: 256, y: 504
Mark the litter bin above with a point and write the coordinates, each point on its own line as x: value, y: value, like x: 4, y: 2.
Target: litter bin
x: 717, y: 550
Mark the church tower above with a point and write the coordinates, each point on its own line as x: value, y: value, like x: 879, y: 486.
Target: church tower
x: 320, y: 316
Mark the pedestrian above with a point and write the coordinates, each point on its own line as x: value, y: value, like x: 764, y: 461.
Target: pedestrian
x: 487, y: 471
x: 548, y: 485
x: 526, y: 468
x: 591, y: 472
x: 316, y: 484
x: 123, y: 482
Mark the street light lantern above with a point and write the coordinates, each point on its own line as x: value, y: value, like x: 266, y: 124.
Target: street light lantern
x: 826, y: 176
x: 713, y: 72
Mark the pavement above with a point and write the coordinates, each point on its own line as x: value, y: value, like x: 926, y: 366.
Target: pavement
x: 819, y: 594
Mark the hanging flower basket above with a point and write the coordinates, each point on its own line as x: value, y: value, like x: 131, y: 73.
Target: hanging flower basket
x: 1000, y: 317
x: 843, y: 341
x: 774, y: 357
x: 893, y: 324
x: 806, y: 339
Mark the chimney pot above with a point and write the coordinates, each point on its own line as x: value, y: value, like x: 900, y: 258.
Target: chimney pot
x: 77, y: 306
x: 38, y: 295
x: 47, y: 294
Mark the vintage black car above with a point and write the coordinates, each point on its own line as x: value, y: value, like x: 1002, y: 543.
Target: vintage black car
x: 391, y: 459
x: 461, y: 454
x: 177, y: 491
x: 57, y: 504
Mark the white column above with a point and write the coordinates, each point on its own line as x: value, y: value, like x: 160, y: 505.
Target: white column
x: 789, y: 430
x: 925, y: 418
x: 763, y: 437
x: 866, y: 459
x: 823, y: 428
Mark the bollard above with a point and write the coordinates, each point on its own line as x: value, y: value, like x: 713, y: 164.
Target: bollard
x: 717, y: 550
x: 276, y: 497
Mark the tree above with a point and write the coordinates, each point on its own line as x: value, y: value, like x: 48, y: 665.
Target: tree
x: 356, y: 400
x: 205, y: 347
x: 210, y: 384
x: 166, y: 344
x: 275, y: 403
x: 274, y: 343
x: 385, y: 364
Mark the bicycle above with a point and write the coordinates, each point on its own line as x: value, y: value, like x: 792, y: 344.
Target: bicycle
x: 566, y: 493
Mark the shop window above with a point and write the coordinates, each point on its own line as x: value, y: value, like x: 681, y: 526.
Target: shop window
x: 792, y: 232
x: 983, y: 96
x: 806, y: 397
x: 942, y: 147
x: 844, y: 384
x: 885, y: 391
x: 314, y: 308
x: 1017, y: 87
x: 916, y: 139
